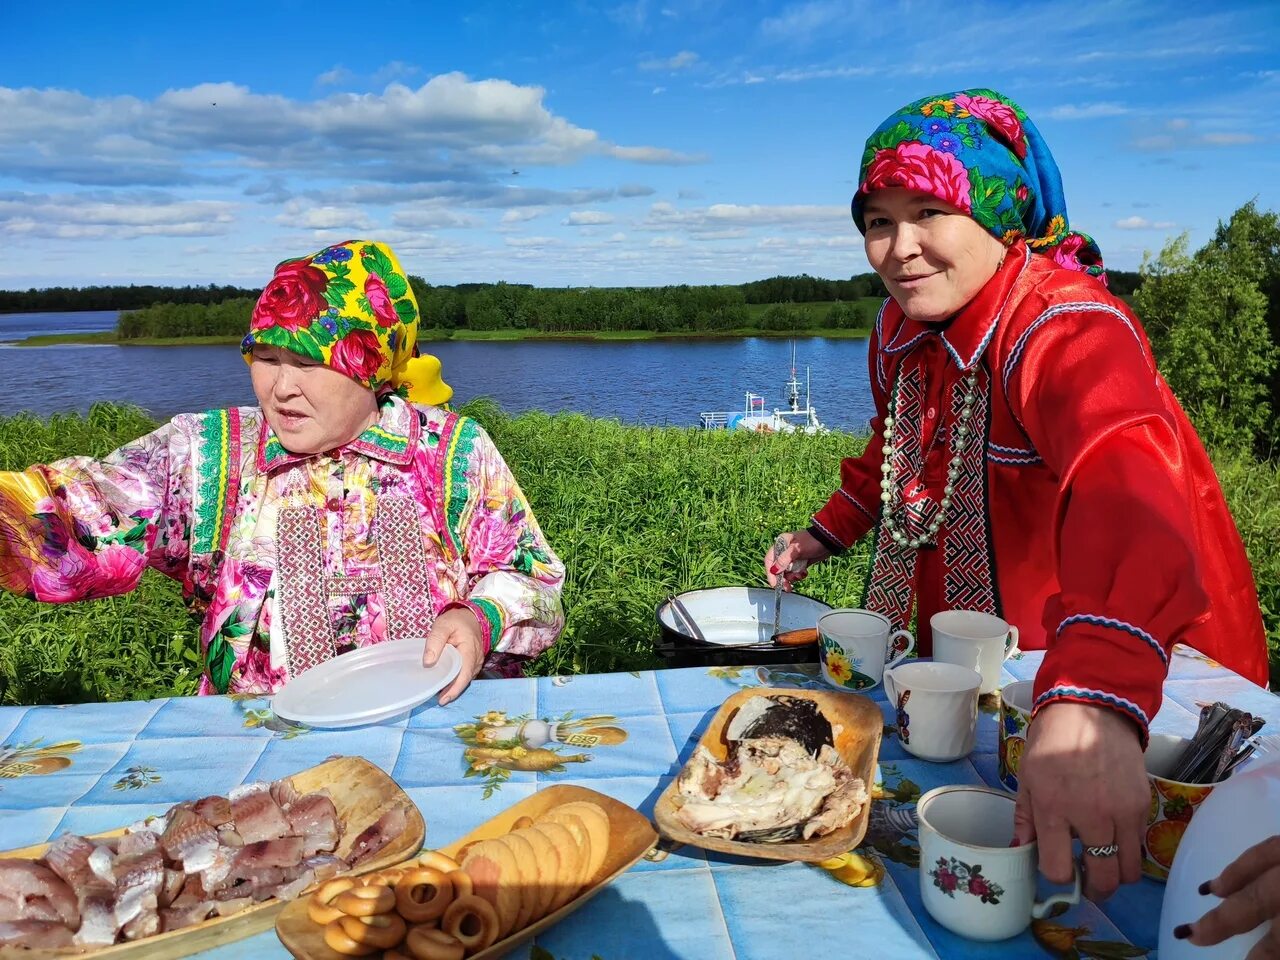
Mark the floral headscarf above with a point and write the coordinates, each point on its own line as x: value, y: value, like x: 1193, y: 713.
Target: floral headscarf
x: 351, y: 308
x: 978, y: 151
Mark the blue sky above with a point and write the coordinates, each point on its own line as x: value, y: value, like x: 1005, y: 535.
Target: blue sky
x: 645, y: 142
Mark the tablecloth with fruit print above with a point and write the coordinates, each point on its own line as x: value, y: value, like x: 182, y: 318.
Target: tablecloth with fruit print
x: 93, y: 767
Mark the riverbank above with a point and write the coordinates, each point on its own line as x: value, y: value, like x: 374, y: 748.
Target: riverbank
x: 636, y: 513
x: 110, y: 338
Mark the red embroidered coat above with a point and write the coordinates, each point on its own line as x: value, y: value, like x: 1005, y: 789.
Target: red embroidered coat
x: 1087, y: 512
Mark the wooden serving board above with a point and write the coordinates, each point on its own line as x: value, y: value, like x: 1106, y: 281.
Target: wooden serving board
x: 630, y: 837
x: 360, y: 791
x: 857, y: 741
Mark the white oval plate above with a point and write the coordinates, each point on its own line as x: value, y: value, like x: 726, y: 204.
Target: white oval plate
x: 368, y: 685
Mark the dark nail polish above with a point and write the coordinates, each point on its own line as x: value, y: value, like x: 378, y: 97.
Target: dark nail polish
x: 1182, y: 931
x: 1205, y: 888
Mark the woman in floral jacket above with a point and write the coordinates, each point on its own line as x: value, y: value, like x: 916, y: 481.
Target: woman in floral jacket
x: 336, y: 514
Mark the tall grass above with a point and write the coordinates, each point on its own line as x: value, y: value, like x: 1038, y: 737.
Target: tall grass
x: 636, y: 513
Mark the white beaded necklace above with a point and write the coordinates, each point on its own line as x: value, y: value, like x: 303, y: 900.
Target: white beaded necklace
x: 896, y: 527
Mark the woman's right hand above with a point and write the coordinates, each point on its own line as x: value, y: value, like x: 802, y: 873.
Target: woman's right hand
x: 800, y: 549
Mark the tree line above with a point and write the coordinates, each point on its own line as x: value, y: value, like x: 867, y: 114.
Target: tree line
x: 131, y: 297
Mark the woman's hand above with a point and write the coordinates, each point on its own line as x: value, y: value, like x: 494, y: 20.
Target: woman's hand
x: 802, y: 549
x: 1250, y: 891
x: 458, y: 628
x: 1083, y: 774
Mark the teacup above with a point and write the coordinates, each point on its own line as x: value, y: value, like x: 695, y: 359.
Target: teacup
x: 971, y: 881
x: 937, y: 706
x: 855, y: 646
x: 1172, y: 805
x: 1015, y: 717
x: 975, y: 640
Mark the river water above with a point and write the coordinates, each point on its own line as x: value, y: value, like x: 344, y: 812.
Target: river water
x: 645, y: 381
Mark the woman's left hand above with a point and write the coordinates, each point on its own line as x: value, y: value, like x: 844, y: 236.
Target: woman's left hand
x: 458, y: 628
x: 1250, y: 888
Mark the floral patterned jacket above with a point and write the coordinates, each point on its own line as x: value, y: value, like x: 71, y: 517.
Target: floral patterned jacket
x: 290, y: 560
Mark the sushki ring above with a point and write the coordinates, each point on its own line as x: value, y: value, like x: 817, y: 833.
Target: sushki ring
x: 1109, y: 850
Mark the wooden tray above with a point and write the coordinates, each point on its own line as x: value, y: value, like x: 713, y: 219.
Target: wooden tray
x: 360, y: 791
x: 858, y: 741
x: 630, y: 836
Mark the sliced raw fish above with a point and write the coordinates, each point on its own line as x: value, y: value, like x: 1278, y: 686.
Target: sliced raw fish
x: 283, y: 792
x: 256, y: 814
x: 103, y: 863
x: 189, y: 840
x: 68, y: 857
x: 98, y: 924
x: 214, y: 810
x: 325, y: 865
x: 387, y: 828
x: 285, y: 852
x: 314, y: 818
x: 184, y: 912
x: 22, y: 881
x: 141, y: 841
x: 145, y: 924
x: 35, y: 935
x: 139, y: 879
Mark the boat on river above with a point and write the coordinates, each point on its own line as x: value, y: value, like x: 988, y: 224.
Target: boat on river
x: 755, y: 416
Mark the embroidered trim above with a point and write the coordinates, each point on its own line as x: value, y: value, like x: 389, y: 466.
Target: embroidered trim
x: 218, y: 483
x: 406, y: 594
x: 393, y: 439
x: 492, y: 617
x: 308, y: 630
x: 1084, y: 306
x: 1128, y: 628
x: 351, y: 586
x: 826, y: 532
x: 1015, y: 461
x: 462, y: 434
x: 852, y: 499
x: 1084, y: 695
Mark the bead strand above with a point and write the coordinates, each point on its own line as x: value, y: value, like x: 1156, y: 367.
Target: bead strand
x: 888, y: 477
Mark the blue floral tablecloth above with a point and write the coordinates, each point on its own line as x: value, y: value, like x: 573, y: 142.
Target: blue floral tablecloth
x: 94, y: 767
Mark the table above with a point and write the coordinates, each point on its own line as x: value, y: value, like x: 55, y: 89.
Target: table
x: 93, y: 767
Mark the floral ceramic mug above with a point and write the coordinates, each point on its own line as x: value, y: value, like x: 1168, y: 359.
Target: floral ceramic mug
x: 1015, y: 717
x: 1172, y: 804
x: 855, y: 647
x: 971, y: 881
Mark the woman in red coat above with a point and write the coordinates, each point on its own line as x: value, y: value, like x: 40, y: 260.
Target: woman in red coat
x: 1028, y: 460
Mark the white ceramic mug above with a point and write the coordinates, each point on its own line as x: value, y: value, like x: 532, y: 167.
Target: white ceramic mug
x: 855, y: 646
x: 937, y: 707
x: 1015, y: 718
x: 971, y: 881
x: 975, y: 640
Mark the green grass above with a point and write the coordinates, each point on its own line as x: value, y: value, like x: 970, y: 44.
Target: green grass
x: 636, y: 513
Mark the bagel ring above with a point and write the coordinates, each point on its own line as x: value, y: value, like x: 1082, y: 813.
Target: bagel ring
x: 320, y: 907
x: 383, y: 931
x: 482, y: 933
x: 463, y: 885
x: 522, y: 823
x: 366, y: 901
x: 435, y: 888
x: 335, y: 938
x: 426, y: 943
x: 434, y: 859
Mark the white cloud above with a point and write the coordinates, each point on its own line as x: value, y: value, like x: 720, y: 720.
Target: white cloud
x: 112, y: 215
x: 668, y: 242
x: 720, y: 216
x: 520, y: 215
x: 531, y: 241
x: 681, y: 61
x: 335, y: 77
x: 587, y: 218
x: 618, y: 237
x: 1087, y: 111
x: 303, y: 214
x: 1142, y: 223
x: 803, y: 21
x: 433, y: 216
x: 449, y: 128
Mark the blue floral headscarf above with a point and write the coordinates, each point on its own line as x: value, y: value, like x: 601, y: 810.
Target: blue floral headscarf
x: 978, y: 151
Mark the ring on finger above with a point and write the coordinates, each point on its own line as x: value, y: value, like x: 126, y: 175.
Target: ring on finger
x: 1106, y: 850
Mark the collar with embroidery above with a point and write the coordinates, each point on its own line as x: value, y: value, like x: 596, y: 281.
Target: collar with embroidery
x: 969, y: 332
x: 392, y: 439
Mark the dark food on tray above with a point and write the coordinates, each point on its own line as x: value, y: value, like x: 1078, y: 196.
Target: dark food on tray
x: 213, y: 857
x: 782, y: 779
x: 435, y: 907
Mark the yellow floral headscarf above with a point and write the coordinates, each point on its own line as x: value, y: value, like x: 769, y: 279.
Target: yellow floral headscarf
x: 351, y: 308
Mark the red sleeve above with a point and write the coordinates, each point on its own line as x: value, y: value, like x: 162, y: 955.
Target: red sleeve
x: 852, y: 510
x: 1084, y: 387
